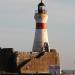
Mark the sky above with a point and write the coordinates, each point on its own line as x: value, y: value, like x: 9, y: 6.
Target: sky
x: 17, y: 27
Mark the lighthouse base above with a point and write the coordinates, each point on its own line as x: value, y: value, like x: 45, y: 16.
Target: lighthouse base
x: 43, y: 62
x: 29, y: 62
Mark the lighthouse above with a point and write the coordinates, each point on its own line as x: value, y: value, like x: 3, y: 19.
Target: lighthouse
x: 41, y: 36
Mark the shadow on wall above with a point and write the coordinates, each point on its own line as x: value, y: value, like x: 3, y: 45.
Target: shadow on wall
x: 8, y: 62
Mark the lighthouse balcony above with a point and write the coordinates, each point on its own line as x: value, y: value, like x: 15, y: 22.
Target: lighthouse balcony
x: 41, y: 12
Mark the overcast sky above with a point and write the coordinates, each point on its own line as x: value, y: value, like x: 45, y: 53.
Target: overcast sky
x: 17, y: 27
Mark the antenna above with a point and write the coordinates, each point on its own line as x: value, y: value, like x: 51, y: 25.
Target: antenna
x: 41, y: 1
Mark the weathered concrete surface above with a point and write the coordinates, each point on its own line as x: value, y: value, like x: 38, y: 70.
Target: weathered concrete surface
x: 37, y: 62
x: 27, y: 62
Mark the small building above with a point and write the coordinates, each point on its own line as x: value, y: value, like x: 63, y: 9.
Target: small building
x: 54, y: 70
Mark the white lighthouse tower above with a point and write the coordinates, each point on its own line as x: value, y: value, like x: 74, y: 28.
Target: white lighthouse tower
x: 41, y: 36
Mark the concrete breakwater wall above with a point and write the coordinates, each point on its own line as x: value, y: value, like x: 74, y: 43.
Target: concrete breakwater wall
x: 28, y: 62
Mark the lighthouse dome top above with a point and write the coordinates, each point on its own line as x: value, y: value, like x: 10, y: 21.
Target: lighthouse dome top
x: 41, y: 7
x: 41, y: 3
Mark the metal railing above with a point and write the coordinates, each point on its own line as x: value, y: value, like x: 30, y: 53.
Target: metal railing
x: 44, y: 11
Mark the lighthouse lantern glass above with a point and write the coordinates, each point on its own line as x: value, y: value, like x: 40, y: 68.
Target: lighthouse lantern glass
x: 41, y: 8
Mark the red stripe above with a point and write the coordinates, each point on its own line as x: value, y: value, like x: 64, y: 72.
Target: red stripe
x: 41, y: 26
